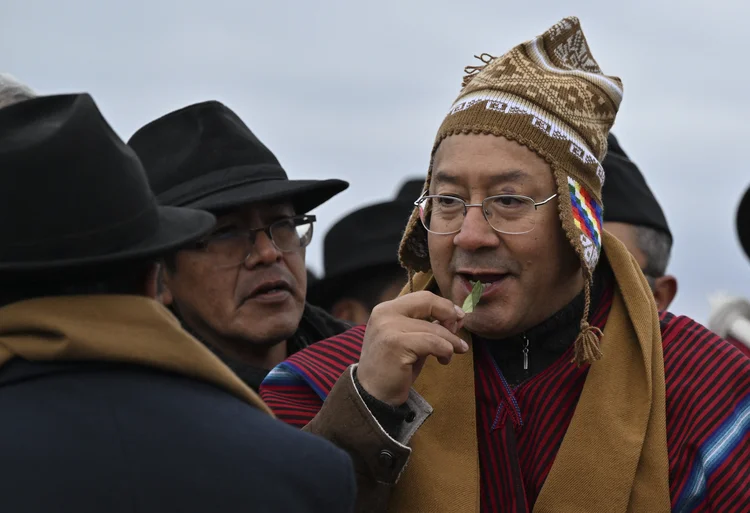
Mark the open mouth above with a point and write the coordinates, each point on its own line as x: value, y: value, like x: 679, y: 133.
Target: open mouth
x: 270, y: 289
x: 491, y: 281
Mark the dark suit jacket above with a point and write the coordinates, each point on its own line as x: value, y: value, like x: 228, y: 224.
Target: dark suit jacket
x: 95, y: 437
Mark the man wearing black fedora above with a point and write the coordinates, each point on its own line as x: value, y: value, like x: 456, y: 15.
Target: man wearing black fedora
x: 360, y: 256
x: 634, y: 216
x: 241, y: 290
x: 107, y: 403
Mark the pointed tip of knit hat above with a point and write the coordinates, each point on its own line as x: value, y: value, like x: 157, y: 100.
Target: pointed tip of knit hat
x: 562, y: 51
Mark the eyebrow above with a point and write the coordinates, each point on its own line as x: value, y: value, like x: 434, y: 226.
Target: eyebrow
x: 510, y: 175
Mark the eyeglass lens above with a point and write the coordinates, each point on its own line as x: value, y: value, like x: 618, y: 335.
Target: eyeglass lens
x: 508, y: 214
x: 232, y: 247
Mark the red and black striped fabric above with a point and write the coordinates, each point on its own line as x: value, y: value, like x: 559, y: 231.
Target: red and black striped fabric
x: 520, y: 430
x: 739, y: 345
x: 296, y: 388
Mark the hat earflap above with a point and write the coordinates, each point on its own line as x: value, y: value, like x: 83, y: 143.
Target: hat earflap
x: 581, y: 218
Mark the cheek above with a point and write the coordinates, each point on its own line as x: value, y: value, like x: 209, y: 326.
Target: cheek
x: 546, y: 254
x: 203, y: 288
x: 537, y: 253
x: 295, y: 262
x: 441, y: 252
x: 440, y: 248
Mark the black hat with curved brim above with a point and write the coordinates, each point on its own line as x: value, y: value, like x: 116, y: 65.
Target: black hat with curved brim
x: 203, y: 156
x: 74, y: 197
x: 626, y: 196
x: 312, y: 278
x: 411, y: 190
x: 743, y: 222
x: 367, y: 238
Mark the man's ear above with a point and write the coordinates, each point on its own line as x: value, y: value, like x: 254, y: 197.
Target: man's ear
x: 165, y: 293
x: 150, y: 288
x: 665, y: 289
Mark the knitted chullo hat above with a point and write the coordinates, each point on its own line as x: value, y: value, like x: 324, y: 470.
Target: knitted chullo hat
x: 549, y: 95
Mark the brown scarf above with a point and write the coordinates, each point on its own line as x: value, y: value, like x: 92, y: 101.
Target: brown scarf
x: 127, y: 329
x: 614, y: 455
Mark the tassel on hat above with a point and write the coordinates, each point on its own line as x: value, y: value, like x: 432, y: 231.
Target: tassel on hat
x: 586, y: 346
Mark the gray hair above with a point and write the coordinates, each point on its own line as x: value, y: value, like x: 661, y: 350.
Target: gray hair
x: 656, y: 246
x: 12, y: 91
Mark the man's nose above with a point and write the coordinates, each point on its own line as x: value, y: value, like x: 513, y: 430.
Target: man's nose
x: 476, y: 232
x: 262, y: 251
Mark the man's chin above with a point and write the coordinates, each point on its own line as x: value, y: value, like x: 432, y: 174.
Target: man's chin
x: 489, y: 325
x: 268, y: 335
x: 260, y: 328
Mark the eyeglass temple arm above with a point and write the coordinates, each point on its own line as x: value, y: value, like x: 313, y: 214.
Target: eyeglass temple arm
x: 537, y: 205
x: 420, y: 198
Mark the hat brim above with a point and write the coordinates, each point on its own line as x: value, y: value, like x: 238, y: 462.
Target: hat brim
x: 305, y: 195
x: 177, y: 227
x: 743, y: 222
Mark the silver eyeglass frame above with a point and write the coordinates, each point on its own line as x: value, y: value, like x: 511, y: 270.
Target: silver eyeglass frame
x: 536, y: 205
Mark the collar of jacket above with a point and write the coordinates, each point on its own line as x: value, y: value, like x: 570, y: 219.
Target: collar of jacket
x: 112, y: 328
x: 548, y: 340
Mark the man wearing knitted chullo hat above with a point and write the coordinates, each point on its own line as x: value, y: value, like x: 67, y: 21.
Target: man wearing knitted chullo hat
x: 564, y: 390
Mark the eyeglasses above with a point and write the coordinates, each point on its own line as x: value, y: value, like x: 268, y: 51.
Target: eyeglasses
x: 230, y: 247
x: 506, y: 213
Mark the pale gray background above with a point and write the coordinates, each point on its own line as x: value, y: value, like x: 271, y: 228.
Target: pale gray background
x: 356, y: 90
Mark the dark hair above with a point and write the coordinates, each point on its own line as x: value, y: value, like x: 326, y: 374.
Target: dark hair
x: 127, y: 280
x: 368, y: 285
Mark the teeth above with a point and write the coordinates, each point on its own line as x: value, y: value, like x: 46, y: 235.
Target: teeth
x: 483, y: 280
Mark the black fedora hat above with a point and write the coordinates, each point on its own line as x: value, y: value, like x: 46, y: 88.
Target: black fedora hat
x: 366, y: 238
x: 74, y: 196
x: 203, y: 156
x: 411, y: 190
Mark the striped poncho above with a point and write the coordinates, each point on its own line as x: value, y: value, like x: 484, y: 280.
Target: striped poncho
x: 708, y: 414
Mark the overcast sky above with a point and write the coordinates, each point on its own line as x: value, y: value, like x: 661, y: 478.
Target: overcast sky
x: 356, y: 90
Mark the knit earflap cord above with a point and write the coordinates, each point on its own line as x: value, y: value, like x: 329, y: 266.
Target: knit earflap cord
x: 586, y: 347
x: 471, y: 71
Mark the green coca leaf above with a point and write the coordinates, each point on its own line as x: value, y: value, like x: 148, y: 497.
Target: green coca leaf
x: 473, y: 298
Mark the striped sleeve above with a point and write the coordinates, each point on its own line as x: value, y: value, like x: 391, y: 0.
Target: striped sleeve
x: 296, y: 388
x: 740, y: 345
x: 708, y: 419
